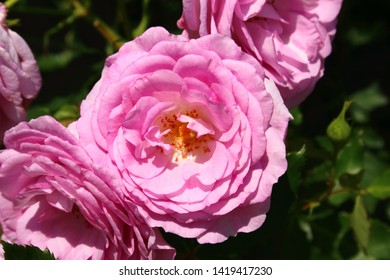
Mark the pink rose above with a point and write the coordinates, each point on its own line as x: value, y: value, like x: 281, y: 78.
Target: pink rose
x: 53, y: 196
x: 192, y: 130
x: 290, y: 38
x: 20, y: 79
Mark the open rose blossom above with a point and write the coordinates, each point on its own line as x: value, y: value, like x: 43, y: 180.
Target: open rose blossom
x: 193, y: 131
x: 53, y: 196
x: 290, y: 38
x: 20, y: 79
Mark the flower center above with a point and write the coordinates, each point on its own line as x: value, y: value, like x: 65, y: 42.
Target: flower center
x: 185, y: 141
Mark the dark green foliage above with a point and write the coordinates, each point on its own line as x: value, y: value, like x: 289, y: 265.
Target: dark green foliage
x: 17, y: 252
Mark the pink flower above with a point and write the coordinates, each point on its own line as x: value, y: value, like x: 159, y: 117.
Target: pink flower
x: 20, y: 79
x: 290, y: 38
x: 192, y: 130
x: 53, y: 196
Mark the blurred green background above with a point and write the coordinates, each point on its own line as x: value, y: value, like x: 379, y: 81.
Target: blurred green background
x: 333, y: 203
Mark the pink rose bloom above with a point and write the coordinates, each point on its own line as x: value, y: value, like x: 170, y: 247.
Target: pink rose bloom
x: 53, y: 196
x: 192, y: 130
x: 20, y: 79
x: 290, y: 38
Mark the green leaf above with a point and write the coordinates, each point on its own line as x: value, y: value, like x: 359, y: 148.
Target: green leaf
x: 305, y: 226
x: 339, y: 195
x: 350, y: 158
x: 380, y: 187
x: 372, y: 139
x: 379, y: 245
x: 360, y: 224
x: 19, y: 252
x: 367, y: 100
x: 36, y: 111
x: 297, y: 116
x: 374, y: 166
x: 296, y: 161
x: 10, y: 3
x: 348, y: 181
x: 67, y: 111
x: 358, y: 36
x: 344, y: 223
x: 370, y: 98
x: 324, y: 143
x: 54, y: 61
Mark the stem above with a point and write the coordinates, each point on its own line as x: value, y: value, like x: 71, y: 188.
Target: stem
x: 346, y: 105
x: 10, y: 3
x: 110, y: 35
x: 106, y: 31
x: 143, y: 24
x: 46, y: 38
x: 124, y: 18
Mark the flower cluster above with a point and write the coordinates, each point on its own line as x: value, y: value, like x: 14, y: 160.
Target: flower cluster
x: 182, y: 132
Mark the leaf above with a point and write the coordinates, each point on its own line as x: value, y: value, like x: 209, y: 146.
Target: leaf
x: 367, y: 100
x: 60, y: 107
x: 379, y: 245
x: 380, y: 187
x: 324, y: 143
x: 374, y: 165
x: 358, y: 36
x: 37, y: 111
x: 297, y: 116
x: 319, y: 173
x: 67, y: 111
x: 296, y: 161
x: 339, y: 195
x: 350, y: 158
x: 360, y: 224
x: 306, y: 228
x: 55, y: 61
x: 372, y: 139
x: 344, y: 223
x: 19, y: 252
